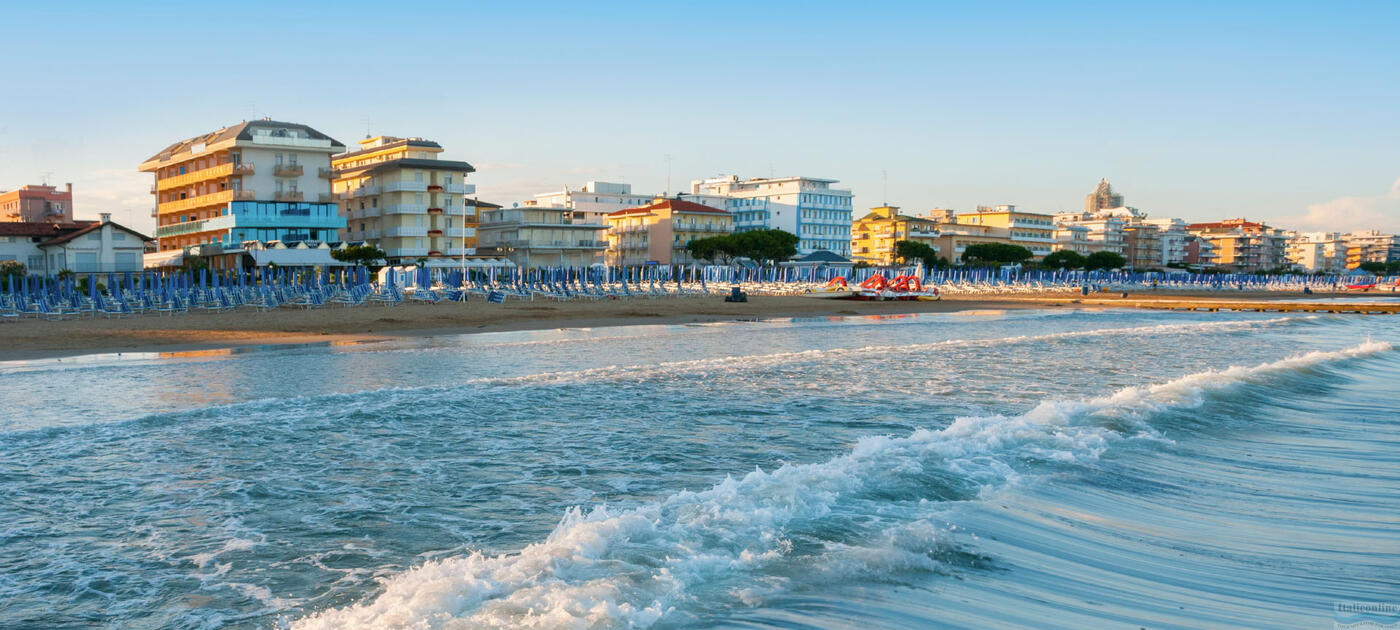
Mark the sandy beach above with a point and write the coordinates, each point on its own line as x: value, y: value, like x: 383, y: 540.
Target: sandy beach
x: 36, y: 339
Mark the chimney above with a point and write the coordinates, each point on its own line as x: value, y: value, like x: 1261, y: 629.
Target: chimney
x: 68, y: 187
x: 106, y: 217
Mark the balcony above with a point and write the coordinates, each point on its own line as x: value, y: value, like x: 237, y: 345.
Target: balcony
x: 289, y: 195
x: 406, y: 252
x: 369, y: 235
x: 181, y: 229
x: 213, y: 172
x: 211, y: 199
x: 459, y: 189
x: 288, y: 170
x: 406, y: 208
x: 325, y: 173
x: 405, y: 187
x: 325, y: 198
x: 459, y: 232
x: 363, y: 191
x: 405, y: 232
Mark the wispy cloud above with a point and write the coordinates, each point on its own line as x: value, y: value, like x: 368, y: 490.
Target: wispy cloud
x: 1343, y: 214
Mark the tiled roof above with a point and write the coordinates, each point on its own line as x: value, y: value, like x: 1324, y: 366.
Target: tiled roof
x: 241, y: 131
x: 93, y: 226
x: 674, y: 205
x: 42, y: 229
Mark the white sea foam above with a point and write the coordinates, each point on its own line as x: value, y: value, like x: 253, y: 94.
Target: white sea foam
x: 729, y: 363
x: 606, y: 569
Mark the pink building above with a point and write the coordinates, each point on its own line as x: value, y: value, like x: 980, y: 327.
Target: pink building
x: 37, y: 204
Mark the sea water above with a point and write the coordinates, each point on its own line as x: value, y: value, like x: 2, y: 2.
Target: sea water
x: 1040, y: 469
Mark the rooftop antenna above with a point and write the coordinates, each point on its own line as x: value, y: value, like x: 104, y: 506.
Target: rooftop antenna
x: 884, y: 188
x: 45, y: 179
x: 668, y: 175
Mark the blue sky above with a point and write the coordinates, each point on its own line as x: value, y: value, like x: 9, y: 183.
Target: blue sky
x: 1283, y: 111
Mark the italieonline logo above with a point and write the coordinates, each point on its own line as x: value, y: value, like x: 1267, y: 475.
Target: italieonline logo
x: 1366, y: 616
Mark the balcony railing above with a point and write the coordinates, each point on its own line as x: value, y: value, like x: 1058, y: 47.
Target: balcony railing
x: 406, y: 208
x: 401, y: 232
x: 459, y: 189
x: 404, y: 187
x: 289, y: 195
x: 325, y: 198
x: 213, y: 172
x: 288, y: 170
x: 325, y: 172
x: 181, y: 229
x: 211, y: 199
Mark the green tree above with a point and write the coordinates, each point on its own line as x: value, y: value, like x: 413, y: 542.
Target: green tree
x: 705, y: 248
x: 1063, y: 259
x: 1104, y: 260
x: 995, y: 253
x: 1377, y: 268
x: 12, y: 268
x: 362, y: 255
x: 911, y: 251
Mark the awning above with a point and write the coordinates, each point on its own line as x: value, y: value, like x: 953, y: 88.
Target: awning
x: 172, y: 258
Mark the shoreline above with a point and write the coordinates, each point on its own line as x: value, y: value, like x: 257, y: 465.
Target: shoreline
x: 34, y: 339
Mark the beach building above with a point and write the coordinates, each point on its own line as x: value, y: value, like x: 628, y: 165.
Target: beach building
x: 1031, y: 230
x: 1314, y: 252
x: 37, y: 204
x: 1371, y: 246
x: 1199, y: 251
x: 1171, y: 234
x: 540, y: 236
x: 260, y: 180
x: 1105, y: 231
x: 874, y: 235
x: 659, y: 231
x: 1242, y: 245
x: 1074, y: 238
x: 1142, y: 246
x: 594, y: 201
x: 82, y: 247
x: 809, y: 207
x: 398, y: 194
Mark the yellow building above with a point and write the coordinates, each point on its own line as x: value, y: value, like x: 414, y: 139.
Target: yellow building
x: 1031, y: 230
x: 260, y: 180
x: 397, y: 194
x: 873, y: 236
x: 660, y: 231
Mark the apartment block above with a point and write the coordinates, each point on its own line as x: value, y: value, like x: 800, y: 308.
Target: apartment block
x: 659, y: 232
x: 260, y: 180
x: 398, y: 194
x: 809, y: 207
x: 1031, y: 230
x: 1315, y: 252
x: 540, y: 236
x: 874, y: 235
x: 1242, y: 245
x: 37, y: 204
x: 1371, y: 246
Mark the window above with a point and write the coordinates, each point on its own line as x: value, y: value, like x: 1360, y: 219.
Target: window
x: 278, y: 159
x: 418, y: 176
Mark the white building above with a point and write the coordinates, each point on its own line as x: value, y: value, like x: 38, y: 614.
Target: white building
x: 809, y: 207
x: 1318, y: 251
x: 1105, y: 230
x: 1172, y: 238
x: 594, y: 201
x: 81, y: 247
x: 536, y: 236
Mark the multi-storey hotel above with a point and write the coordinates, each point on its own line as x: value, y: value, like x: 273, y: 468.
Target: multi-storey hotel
x: 1318, y: 252
x: 1031, y: 230
x: 874, y: 235
x: 397, y: 194
x: 37, y: 204
x: 1371, y: 246
x: 659, y: 232
x: 260, y: 180
x: 809, y: 207
x: 535, y: 236
x: 1243, y: 245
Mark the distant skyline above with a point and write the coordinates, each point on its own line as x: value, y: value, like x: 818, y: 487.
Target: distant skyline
x: 1283, y: 112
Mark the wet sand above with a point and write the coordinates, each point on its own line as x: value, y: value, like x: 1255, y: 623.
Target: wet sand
x: 35, y: 339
